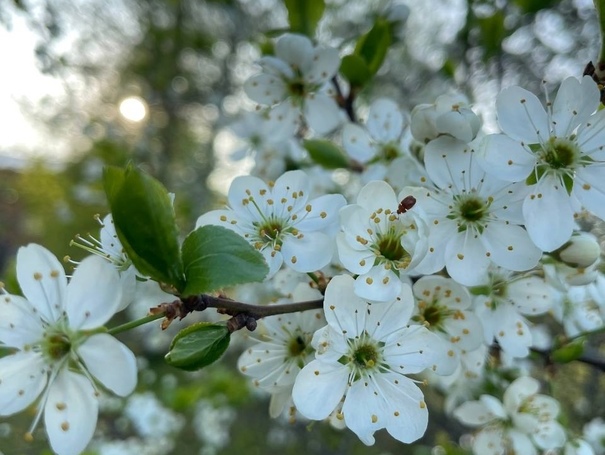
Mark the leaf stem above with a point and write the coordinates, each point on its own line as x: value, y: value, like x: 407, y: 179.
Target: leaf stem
x: 232, y: 307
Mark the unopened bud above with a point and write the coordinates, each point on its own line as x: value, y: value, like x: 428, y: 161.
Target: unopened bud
x: 582, y: 250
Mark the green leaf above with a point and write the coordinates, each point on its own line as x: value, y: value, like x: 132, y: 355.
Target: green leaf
x: 145, y: 223
x: 303, y: 15
x: 326, y: 153
x: 113, y: 180
x: 533, y: 6
x: 492, y: 32
x: 198, y: 346
x: 569, y: 352
x: 355, y: 70
x: 215, y: 257
x: 373, y: 46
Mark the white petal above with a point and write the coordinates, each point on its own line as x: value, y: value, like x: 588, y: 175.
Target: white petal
x: 283, y: 121
x: 93, y: 295
x: 358, y: 261
x: 589, y: 188
x: 321, y: 212
x: 42, y: 280
x: 531, y: 295
x: 110, y: 362
x: 512, y: 333
x: 241, y: 190
x: 520, y: 389
x: 319, y: 387
x: 505, y: 158
x: 389, y: 401
x: 552, y: 231
x: 386, y: 319
x: 521, y: 116
x: 510, y: 246
x: 19, y: 324
x: 466, y: 260
x: 311, y: 252
x: 379, y: 284
x: 297, y: 50
x: 385, y: 121
x: 23, y: 376
x: 575, y: 102
x: 521, y: 443
x: 377, y: 194
x: 324, y: 66
x: 490, y: 441
x: 474, y: 413
x: 357, y: 143
x: 456, y: 125
x: 550, y: 435
x: 70, y: 413
x: 345, y: 311
x: 322, y: 113
x: 448, y: 161
x: 265, y: 89
x: 413, y: 350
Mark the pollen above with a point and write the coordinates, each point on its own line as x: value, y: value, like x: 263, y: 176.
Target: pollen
x: 37, y: 276
x: 422, y: 405
x: 61, y: 406
x: 586, y: 186
x: 308, y: 208
x: 374, y: 418
x: 316, y: 372
x: 369, y: 280
x: 223, y: 218
x: 460, y: 256
x: 65, y: 426
x: 396, y: 413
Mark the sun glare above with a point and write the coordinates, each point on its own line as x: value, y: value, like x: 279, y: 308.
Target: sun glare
x: 133, y: 109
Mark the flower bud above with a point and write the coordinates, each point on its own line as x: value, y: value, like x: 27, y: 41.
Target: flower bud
x: 582, y: 250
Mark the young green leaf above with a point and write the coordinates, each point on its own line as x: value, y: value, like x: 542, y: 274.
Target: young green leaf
x: 355, y: 70
x: 303, y: 15
x: 215, y: 257
x: 198, y: 346
x: 570, y: 351
x: 325, y: 153
x: 145, y: 223
x: 374, y: 45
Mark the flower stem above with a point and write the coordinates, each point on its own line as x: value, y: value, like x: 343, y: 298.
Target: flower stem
x: 132, y: 324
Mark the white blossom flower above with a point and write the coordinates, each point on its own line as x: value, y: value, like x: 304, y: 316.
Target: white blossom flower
x: 283, y: 349
x: 271, y: 148
x: 594, y: 433
x: 379, y: 244
x: 580, y: 309
x: 521, y: 423
x: 502, y: 304
x: 557, y: 152
x: 295, y: 81
x: 60, y: 351
x: 444, y: 307
x: 280, y: 221
x: 381, y: 145
x: 108, y: 246
x: 449, y: 115
x: 363, y: 356
x: 474, y: 219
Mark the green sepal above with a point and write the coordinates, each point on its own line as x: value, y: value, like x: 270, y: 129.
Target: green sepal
x: 355, y: 70
x: 198, y: 346
x: 326, y: 153
x: 145, y: 223
x: 568, y: 183
x: 215, y: 257
x: 374, y: 45
x: 480, y: 290
x: 569, y: 352
x: 304, y: 15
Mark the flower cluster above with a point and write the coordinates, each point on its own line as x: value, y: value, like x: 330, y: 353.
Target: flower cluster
x: 449, y: 250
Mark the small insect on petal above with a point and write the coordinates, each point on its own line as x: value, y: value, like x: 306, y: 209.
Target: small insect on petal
x: 406, y: 204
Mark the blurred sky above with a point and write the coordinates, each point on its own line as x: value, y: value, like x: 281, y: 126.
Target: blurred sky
x: 21, y: 84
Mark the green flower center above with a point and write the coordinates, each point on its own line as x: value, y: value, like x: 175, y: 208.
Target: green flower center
x: 55, y: 346
x: 470, y: 210
x: 365, y: 356
x: 559, y: 153
x: 389, y: 152
x: 296, y: 346
x: 390, y: 247
x: 297, y: 88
